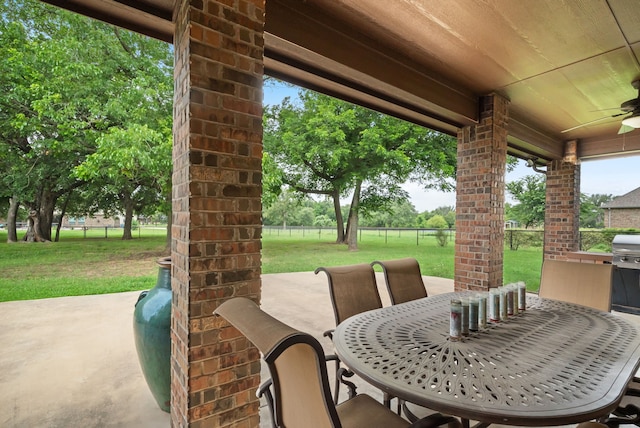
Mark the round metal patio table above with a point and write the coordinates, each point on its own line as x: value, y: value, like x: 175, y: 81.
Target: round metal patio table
x: 557, y: 363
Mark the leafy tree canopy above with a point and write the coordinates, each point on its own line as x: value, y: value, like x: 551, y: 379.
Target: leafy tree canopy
x: 66, y: 82
x: 437, y: 222
x: 324, y: 146
x: 529, y: 191
x: 591, y: 212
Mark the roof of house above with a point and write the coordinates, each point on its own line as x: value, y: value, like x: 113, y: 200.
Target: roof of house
x: 629, y: 200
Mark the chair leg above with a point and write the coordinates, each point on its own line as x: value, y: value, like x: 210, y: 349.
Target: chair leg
x: 408, y: 413
x: 386, y: 400
x: 626, y: 415
x: 336, y: 389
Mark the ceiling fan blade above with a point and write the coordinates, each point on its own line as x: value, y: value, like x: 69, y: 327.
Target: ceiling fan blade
x: 624, y: 129
x: 604, y: 109
x: 592, y: 121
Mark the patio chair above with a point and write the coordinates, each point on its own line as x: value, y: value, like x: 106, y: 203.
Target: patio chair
x: 301, y: 392
x: 588, y: 285
x: 580, y: 283
x: 404, y: 284
x: 353, y: 290
x: 403, y: 278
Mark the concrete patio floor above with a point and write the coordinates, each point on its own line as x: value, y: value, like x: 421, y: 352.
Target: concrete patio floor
x: 71, y: 361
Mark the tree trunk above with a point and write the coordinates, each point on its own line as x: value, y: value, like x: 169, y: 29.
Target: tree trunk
x: 339, y: 219
x: 45, y: 214
x: 63, y: 211
x: 12, y: 214
x: 352, y: 221
x: 33, y: 228
x: 169, y: 224
x: 128, y: 218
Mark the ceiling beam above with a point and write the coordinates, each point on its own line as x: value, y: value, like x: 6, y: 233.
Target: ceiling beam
x: 616, y: 146
x: 138, y: 16
x: 313, y: 30
x: 526, y: 141
x: 307, y: 69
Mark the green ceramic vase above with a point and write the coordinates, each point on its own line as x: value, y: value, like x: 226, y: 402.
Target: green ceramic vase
x: 152, y: 334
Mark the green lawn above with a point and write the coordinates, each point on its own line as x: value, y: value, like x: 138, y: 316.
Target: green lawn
x: 79, y: 265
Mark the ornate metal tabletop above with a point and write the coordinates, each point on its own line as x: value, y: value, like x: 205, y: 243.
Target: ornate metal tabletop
x: 556, y: 363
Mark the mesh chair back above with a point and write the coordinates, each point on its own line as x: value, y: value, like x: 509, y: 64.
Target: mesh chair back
x: 296, y: 362
x: 404, y: 280
x: 353, y: 289
x: 581, y: 283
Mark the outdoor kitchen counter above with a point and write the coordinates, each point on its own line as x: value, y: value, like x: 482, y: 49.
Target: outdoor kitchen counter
x: 590, y: 257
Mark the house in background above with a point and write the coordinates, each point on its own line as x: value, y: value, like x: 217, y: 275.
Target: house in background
x: 97, y: 220
x: 623, y: 211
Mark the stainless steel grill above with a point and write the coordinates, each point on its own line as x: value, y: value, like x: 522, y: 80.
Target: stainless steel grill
x: 626, y: 274
x: 626, y: 251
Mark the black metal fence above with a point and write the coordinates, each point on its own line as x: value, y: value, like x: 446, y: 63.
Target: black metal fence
x: 594, y: 240
x: 590, y: 240
x: 327, y: 232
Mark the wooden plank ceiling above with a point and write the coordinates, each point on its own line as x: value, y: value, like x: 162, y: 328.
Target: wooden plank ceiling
x: 560, y: 63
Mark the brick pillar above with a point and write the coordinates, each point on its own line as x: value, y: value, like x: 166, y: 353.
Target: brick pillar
x: 482, y: 156
x: 217, y: 189
x: 562, y: 206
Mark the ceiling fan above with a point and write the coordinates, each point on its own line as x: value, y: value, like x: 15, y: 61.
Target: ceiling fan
x: 630, y: 108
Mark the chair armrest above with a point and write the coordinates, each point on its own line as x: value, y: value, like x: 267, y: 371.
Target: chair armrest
x: 265, y: 389
x: 436, y: 420
x: 332, y: 357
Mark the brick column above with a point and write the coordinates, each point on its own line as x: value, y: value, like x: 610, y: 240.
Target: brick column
x: 482, y: 156
x: 217, y: 191
x: 562, y: 206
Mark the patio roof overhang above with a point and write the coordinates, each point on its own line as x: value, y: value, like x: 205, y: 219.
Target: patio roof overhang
x: 561, y: 64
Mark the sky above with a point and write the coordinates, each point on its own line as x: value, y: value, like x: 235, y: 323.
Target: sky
x: 615, y: 177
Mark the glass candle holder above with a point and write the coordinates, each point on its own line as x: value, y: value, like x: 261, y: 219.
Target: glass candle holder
x: 482, y: 309
x: 473, y: 313
x: 503, y: 303
x: 465, y: 316
x: 494, y: 305
x: 455, y: 320
x: 510, y: 299
x: 522, y: 296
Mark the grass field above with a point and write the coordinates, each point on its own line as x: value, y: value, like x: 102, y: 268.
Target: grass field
x: 87, y: 263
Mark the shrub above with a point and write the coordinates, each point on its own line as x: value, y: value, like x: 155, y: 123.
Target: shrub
x: 437, y: 222
x: 441, y: 237
x: 513, y: 239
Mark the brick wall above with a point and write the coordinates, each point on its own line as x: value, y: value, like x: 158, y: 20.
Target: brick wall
x: 562, y: 208
x: 622, y: 217
x: 482, y: 153
x: 216, y: 208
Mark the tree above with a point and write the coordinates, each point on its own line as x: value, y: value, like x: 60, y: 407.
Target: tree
x: 329, y: 147
x: 437, y: 222
x: 130, y: 166
x: 591, y: 212
x: 284, y: 209
x: 530, y: 192
x: 40, y: 130
x: 66, y: 80
x: 400, y: 213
